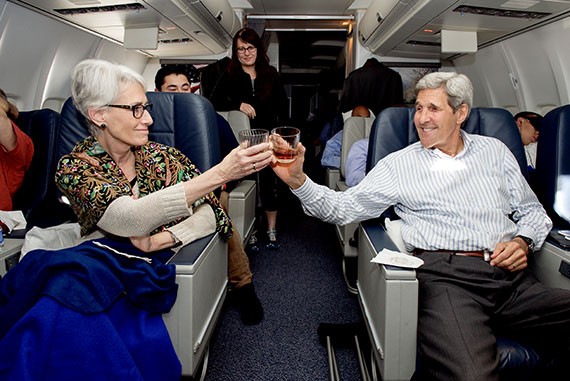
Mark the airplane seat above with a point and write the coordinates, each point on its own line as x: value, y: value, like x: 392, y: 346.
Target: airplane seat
x: 492, y: 122
x: 385, y: 292
x: 184, y: 121
x: 73, y: 128
x: 398, y: 131
x: 189, y: 122
x: 551, y: 179
x: 36, y: 197
x: 552, y: 173
x: 355, y: 128
x: 242, y: 202
x: 238, y: 120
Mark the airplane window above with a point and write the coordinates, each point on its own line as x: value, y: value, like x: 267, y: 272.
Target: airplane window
x: 562, y: 197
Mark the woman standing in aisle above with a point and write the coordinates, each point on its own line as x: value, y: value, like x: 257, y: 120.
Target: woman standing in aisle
x: 250, y: 84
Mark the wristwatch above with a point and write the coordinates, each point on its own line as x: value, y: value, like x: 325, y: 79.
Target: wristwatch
x: 528, y: 241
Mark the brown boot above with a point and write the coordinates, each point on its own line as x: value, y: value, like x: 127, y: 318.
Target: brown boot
x: 250, y: 308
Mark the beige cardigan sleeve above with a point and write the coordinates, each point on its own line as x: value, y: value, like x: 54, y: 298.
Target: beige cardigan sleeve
x: 128, y: 217
x: 201, y: 223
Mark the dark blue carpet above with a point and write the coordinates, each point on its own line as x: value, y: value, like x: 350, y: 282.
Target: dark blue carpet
x: 300, y: 286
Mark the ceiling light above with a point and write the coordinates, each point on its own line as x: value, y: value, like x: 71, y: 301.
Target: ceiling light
x: 301, y: 17
x: 305, y: 29
x: 105, y: 8
x: 500, y: 12
x: 519, y: 4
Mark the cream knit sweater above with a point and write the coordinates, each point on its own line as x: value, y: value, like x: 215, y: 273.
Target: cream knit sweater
x: 129, y: 217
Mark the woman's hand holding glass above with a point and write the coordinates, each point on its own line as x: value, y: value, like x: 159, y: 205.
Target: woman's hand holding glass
x: 252, y: 137
x: 241, y: 162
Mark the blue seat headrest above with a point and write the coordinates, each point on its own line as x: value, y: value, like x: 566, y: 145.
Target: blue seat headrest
x: 73, y: 128
x: 188, y: 122
x: 37, y: 196
x: 394, y: 129
x: 42, y: 127
x: 182, y: 120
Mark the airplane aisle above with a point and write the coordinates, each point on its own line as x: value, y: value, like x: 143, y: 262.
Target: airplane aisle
x: 300, y: 286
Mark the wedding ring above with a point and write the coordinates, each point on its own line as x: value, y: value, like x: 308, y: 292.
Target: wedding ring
x: 254, y: 167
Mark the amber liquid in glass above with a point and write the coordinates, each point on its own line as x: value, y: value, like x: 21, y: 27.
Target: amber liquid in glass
x: 286, y: 155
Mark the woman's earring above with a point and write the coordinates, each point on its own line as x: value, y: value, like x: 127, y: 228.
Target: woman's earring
x: 103, y: 126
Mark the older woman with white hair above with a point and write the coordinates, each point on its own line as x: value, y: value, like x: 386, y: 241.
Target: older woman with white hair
x: 121, y: 184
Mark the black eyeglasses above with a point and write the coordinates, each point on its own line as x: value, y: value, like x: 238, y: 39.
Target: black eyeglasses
x: 249, y: 49
x: 138, y: 110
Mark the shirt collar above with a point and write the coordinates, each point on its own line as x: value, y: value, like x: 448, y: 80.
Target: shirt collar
x: 467, y: 142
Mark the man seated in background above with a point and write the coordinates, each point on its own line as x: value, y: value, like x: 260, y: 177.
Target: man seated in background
x: 356, y: 162
x: 529, y: 126
x: 333, y: 148
x: 16, y: 152
x: 175, y: 79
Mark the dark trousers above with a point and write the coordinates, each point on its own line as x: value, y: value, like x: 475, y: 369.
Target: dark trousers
x: 464, y: 303
x: 270, y: 189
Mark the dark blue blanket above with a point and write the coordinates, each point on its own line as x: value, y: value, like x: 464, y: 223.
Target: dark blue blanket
x: 88, y: 279
x: 87, y: 313
x: 54, y: 343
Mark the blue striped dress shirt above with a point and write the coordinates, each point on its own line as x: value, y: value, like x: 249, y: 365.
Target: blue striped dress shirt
x: 468, y: 202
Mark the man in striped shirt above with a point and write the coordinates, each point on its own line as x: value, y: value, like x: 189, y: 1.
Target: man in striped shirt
x: 469, y: 213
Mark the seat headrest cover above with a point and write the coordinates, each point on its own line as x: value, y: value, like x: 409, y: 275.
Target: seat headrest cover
x: 355, y: 128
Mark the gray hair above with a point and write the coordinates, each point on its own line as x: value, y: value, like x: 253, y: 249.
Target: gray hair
x: 97, y: 83
x: 457, y: 86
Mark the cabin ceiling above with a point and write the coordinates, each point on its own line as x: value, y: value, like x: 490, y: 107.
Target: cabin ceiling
x: 317, y: 42
x: 492, y: 20
x: 311, y: 34
x: 180, y: 36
